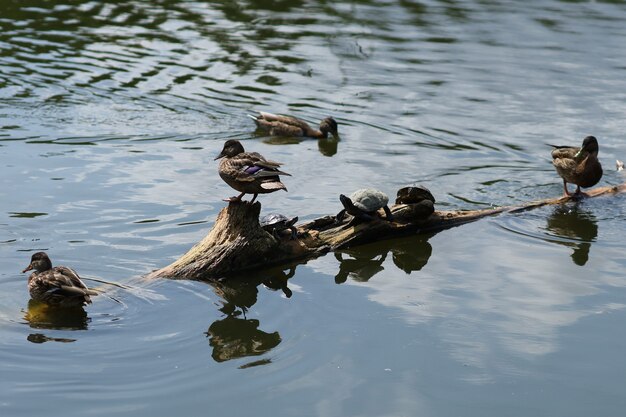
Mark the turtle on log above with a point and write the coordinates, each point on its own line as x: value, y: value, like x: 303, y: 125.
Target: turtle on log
x: 413, y: 194
x: 364, y: 204
x: 276, y: 224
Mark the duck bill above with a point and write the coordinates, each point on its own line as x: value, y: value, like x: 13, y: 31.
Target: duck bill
x: 221, y: 155
x: 579, y: 153
x: 28, y: 268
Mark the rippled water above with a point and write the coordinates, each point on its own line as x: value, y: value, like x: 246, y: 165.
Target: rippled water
x: 111, y: 114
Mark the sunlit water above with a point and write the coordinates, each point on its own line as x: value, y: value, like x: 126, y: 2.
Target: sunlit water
x: 111, y: 114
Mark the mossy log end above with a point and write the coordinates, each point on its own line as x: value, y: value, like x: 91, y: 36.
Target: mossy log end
x: 237, y: 242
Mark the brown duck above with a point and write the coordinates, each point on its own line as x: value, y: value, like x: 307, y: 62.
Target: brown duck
x: 248, y: 172
x: 59, y: 286
x: 578, y: 166
x: 278, y: 125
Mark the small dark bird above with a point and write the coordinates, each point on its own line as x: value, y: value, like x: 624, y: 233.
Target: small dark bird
x: 578, y: 166
x: 59, y: 286
x: 248, y: 172
x: 278, y: 125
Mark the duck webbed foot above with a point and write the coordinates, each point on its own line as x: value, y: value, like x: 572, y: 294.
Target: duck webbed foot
x: 578, y: 194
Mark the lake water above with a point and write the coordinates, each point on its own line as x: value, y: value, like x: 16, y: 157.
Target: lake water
x: 111, y: 114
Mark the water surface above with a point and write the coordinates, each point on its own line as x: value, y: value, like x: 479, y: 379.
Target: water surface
x: 111, y: 114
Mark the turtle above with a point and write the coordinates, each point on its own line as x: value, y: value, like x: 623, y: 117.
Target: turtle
x: 363, y: 204
x: 413, y: 194
x: 276, y: 223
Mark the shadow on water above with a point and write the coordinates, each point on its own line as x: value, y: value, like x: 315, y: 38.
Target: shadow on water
x: 578, y: 226
x: 43, y: 316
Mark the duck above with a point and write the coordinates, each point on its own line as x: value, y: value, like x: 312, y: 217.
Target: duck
x: 578, y: 165
x: 248, y: 172
x: 58, y: 286
x: 279, y: 125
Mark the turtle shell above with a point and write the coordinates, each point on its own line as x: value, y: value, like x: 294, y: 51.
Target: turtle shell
x: 276, y: 219
x: 413, y: 194
x: 369, y: 199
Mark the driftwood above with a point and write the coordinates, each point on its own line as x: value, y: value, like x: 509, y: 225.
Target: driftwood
x: 237, y: 243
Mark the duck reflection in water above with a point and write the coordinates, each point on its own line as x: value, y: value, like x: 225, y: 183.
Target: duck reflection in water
x: 408, y: 254
x: 236, y: 336
x: 41, y: 315
x: 327, y: 147
x: 233, y: 338
x: 579, y: 228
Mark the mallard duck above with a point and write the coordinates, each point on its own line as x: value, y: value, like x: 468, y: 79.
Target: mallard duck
x: 277, y: 125
x: 578, y: 166
x: 248, y: 172
x: 56, y: 286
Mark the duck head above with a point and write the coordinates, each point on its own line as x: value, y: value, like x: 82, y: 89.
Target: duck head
x: 329, y: 125
x: 590, y: 146
x: 39, y: 262
x: 231, y: 148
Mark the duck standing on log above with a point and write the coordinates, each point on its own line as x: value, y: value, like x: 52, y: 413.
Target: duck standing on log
x: 60, y: 286
x: 578, y: 166
x: 248, y: 172
x: 279, y: 125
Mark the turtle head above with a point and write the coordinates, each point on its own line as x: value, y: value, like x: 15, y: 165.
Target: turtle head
x: 346, y: 202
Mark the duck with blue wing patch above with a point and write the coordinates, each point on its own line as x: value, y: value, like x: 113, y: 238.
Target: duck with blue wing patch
x: 248, y: 172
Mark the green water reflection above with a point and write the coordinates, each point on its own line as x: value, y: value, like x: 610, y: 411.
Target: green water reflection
x: 42, y: 316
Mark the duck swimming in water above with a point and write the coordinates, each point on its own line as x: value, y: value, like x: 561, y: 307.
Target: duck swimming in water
x: 278, y: 125
x: 59, y: 286
x: 578, y: 166
x: 248, y: 172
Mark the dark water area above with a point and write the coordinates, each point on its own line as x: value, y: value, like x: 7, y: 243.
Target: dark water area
x: 111, y: 114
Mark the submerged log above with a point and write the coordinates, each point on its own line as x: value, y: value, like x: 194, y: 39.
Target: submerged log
x: 237, y: 243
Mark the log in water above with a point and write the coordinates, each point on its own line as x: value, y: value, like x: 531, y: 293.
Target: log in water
x: 237, y: 242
